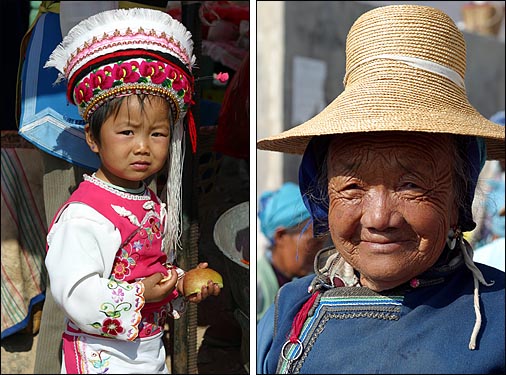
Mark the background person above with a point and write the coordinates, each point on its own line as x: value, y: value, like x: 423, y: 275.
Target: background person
x: 285, y: 222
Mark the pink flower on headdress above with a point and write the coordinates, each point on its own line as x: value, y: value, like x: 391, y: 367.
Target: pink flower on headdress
x: 171, y: 72
x: 126, y: 72
x: 155, y: 70
x: 180, y: 83
x: 83, y: 91
x: 187, y: 96
x: 102, y: 78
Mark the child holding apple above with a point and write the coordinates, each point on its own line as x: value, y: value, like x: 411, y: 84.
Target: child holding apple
x: 111, y: 247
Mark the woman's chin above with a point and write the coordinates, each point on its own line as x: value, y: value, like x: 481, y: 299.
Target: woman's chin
x: 381, y: 279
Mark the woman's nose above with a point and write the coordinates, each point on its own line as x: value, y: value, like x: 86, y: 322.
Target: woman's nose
x: 379, y: 210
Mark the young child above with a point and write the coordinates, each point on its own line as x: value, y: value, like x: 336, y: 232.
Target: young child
x: 112, y: 244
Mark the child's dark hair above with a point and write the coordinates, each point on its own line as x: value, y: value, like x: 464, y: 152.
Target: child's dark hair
x: 112, y: 107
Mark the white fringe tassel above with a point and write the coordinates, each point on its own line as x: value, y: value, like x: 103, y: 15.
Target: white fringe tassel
x: 174, y: 220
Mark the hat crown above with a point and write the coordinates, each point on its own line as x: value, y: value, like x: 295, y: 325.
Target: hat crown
x: 413, y: 31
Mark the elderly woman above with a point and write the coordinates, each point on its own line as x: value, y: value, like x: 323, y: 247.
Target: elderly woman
x: 389, y: 168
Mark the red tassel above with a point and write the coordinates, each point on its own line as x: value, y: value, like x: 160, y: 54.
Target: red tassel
x: 193, y: 131
x: 300, y: 318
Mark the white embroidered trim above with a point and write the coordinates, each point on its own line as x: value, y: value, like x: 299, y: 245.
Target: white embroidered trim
x: 149, y: 205
x: 122, y: 194
x: 125, y: 213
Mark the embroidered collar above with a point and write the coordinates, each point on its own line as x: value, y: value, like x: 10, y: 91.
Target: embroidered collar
x: 140, y: 193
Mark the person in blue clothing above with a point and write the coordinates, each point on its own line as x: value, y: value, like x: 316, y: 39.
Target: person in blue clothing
x: 389, y: 169
x: 284, y: 221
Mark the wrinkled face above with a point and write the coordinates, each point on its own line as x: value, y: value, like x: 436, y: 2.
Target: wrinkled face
x: 391, y: 203
x: 134, y: 143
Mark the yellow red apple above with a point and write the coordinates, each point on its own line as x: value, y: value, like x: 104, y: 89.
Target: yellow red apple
x: 197, y: 277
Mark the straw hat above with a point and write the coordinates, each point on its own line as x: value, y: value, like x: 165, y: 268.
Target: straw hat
x: 405, y: 70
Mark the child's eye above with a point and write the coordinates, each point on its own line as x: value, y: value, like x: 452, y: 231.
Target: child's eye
x: 159, y: 135
x: 126, y: 132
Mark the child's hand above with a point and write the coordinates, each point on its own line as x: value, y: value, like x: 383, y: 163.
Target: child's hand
x: 209, y: 289
x: 154, y: 290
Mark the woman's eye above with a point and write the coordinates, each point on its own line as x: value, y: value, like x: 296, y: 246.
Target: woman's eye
x: 351, y: 187
x: 410, y: 186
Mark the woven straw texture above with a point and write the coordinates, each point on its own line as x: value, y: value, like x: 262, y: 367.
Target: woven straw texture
x: 387, y: 95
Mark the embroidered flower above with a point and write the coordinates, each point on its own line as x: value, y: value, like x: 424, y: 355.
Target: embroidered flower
x: 155, y: 226
x: 137, y: 245
x: 126, y: 72
x: 83, y: 92
x: 101, y: 79
x: 121, y: 268
x: 112, y: 327
x: 179, y: 83
x: 171, y: 73
x: 187, y: 98
x: 118, y: 295
x: 153, y: 69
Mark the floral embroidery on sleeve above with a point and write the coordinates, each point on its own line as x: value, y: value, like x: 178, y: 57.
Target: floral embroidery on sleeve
x: 122, y: 312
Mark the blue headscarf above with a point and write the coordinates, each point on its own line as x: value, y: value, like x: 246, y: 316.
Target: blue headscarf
x: 281, y: 208
x: 315, y: 194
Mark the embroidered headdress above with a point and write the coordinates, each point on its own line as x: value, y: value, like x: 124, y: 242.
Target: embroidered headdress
x: 133, y: 51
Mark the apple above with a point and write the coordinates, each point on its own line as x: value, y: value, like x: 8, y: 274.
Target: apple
x: 195, y: 278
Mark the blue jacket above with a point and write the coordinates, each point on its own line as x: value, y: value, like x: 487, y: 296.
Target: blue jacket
x: 406, y: 330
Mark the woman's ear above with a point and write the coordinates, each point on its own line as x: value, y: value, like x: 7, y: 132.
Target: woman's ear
x: 279, y: 234
x: 89, y: 139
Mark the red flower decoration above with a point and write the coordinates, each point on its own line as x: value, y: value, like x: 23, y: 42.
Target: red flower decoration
x: 121, y: 268
x: 83, y: 91
x: 179, y: 83
x: 187, y: 96
x: 171, y: 73
x: 155, y: 227
x: 112, y: 327
x: 126, y: 72
x: 155, y: 70
x: 102, y: 78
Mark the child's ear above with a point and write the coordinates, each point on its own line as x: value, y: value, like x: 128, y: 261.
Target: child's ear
x: 89, y: 139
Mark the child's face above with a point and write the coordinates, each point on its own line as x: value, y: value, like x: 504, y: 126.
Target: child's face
x: 134, y: 143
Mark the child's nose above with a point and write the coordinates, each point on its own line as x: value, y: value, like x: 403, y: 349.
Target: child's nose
x: 141, y: 145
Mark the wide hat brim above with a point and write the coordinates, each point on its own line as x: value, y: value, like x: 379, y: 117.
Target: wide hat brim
x: 389, y: 95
